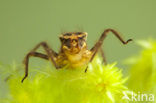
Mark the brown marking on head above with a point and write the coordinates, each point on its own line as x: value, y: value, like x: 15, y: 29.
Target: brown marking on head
x: 73, y: 42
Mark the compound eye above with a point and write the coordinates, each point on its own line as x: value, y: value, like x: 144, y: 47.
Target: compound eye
x: 82, y: 38
x: 78, y: 33
x: 81, y: 41
x: 68, y: 34
x: 67, y: 42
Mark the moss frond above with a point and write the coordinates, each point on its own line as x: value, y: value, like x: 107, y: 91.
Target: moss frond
x: 143, y: 69
x: 101, y: 84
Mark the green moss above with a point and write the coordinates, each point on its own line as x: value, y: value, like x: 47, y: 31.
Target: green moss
x: 101, y: 84
x: 143, y: 69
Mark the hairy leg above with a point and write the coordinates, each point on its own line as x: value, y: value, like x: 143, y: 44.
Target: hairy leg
x: 26, y: 61
x: 50, y: 55
x: 103, y: 56
x: 43, y: 45
x: 97, y: 46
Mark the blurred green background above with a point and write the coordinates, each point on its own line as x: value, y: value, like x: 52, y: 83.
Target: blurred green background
x: 24, y: 23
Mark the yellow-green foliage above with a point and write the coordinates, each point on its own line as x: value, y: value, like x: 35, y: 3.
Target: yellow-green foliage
x: 143, y: 69
x: 101, y: 84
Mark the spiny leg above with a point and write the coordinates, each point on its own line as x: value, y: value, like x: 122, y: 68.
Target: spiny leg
x: 26, y: 61
x: 44, y: 45
x: 97, y: 46
x: 50, y: 54
x: 103, y: 56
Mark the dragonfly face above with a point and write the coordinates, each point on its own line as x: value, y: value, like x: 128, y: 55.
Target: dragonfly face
x: 73, y: 42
